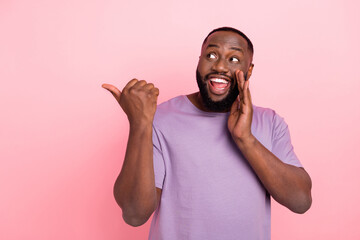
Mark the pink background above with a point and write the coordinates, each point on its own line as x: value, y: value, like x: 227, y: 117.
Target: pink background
x: 63, y: 137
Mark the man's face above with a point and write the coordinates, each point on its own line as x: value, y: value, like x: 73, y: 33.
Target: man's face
x: 222, y: 54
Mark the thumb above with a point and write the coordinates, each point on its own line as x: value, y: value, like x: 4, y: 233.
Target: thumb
x: 114, y: 91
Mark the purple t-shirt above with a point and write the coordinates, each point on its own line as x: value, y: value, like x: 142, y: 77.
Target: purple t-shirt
x: 209, y: 191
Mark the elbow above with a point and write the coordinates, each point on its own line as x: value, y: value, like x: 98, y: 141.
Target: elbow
x: 302, y: 205
x: 136, y: 208
x: 135, y: 221
x: 302, y: 208
x: 303, y: 200
x: 135, y: 216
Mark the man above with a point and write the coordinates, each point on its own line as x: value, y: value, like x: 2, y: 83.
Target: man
x: 207, y: 163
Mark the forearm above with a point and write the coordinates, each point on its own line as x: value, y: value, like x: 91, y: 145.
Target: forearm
x: 287, y: 184
x: 134, y: 189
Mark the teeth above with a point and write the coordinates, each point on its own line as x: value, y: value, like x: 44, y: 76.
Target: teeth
x: 218, y: 80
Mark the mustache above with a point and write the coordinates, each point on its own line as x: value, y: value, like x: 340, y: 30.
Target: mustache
x: 232, y: 78
x: 207, y: 76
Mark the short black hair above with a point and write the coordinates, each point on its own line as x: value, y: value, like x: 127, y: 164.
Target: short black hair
x: 230, y: 29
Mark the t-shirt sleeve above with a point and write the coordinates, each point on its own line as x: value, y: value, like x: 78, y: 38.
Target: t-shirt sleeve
x: 281, y: 143
x: 158, y: 159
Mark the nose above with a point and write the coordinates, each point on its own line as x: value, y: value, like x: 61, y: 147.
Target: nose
x: 220, y: 66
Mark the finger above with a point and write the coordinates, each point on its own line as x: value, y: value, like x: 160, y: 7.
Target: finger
x: 247, y: 96
x: 155, y: 91
x: 241, y: 80
x: 140, y: 83
x: 235, y: 106
x: 237, y: 77
x: 131, y: 83
x: 149, y: 86
x: 114, y: 91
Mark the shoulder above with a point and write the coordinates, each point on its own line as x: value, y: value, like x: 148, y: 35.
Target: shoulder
x: 170, y: 104
x: 263, y: 114
x: 267, y: 114
x: 262, y: 111
x: 269, y: 119
x: 169, y: 109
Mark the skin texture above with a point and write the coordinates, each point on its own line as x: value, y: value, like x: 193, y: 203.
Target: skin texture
x: 225, y: 55
x: 134, y: 189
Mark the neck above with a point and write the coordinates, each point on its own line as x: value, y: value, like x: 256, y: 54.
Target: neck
x: 196, y: 99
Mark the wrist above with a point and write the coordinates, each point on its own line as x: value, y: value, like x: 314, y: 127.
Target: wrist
x: 141, y: 121
x: 245, y: 141
x: 140, y: 124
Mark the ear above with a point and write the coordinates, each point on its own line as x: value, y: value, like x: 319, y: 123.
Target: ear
x: 249, y: 72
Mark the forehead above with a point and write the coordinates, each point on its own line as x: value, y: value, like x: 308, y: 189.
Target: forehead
x: 226, y: 39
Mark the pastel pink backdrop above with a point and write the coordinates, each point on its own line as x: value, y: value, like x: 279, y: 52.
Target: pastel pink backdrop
x: 63, y: 137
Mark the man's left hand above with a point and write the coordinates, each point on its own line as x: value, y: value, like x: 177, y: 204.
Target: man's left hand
x: 240, y: 118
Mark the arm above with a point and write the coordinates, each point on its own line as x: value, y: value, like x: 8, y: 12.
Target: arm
x: 287, y: 184
x: 134, y: 189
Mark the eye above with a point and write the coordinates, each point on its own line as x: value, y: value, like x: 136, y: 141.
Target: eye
x: 234, y: 59
x: 211, y: 55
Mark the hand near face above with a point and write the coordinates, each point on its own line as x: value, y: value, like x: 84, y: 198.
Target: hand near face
x: 138, y: 99
x: 240, y: 118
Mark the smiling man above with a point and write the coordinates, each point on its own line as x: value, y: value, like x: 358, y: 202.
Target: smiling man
x: 216, y: 78
x: 207, y: 163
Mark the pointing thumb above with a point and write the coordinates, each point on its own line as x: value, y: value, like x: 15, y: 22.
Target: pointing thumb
x: 114, y: 91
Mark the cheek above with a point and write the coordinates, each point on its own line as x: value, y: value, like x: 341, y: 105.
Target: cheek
x: 241, y: 67
x: 204, y: 68
x: 204, y: 65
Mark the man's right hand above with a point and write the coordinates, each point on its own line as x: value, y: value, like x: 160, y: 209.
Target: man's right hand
x: 138, y: 99
x: 134, y: 189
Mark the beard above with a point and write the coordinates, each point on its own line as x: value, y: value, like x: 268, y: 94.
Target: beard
x: 223, y: 105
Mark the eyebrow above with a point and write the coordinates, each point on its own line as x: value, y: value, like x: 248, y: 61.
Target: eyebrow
x: 237, y: 49
x: 212, y: 45
x: 232, y: 48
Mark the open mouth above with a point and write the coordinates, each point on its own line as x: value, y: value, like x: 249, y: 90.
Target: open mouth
x: 218, y: 86
x: 219, y: 83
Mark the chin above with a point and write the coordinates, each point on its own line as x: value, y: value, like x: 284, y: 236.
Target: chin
x: 216, y: 97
